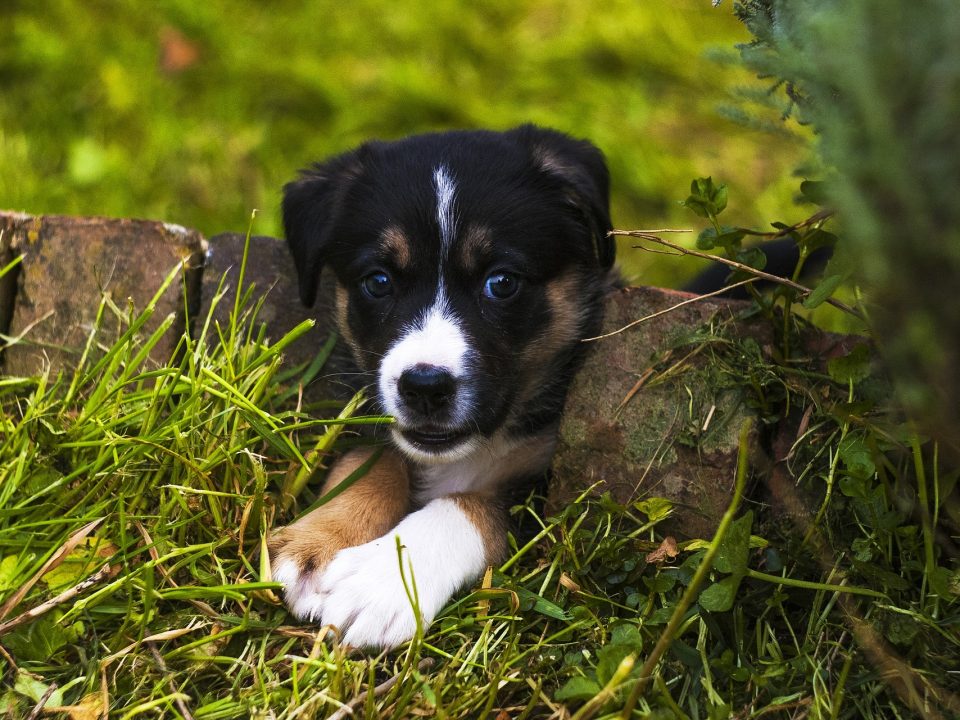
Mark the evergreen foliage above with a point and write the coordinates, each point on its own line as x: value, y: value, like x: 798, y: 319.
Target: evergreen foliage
x: 880, y: 82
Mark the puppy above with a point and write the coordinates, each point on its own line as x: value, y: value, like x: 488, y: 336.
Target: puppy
x: 467, y: 267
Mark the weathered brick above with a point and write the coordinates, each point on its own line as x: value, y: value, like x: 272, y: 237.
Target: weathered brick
x: 271, y: 273
x: 659, y: 442
x: 70, y: 263
x: 673, y: 432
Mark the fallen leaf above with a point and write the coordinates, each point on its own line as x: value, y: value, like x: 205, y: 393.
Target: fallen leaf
x: 89, y: 708
x: 569, y: 583
x: 53, y: 562
x: 666, y: 551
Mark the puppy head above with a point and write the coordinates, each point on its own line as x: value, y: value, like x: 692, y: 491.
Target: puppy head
x: 469, y: 265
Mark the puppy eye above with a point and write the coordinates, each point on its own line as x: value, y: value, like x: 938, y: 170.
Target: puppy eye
x: 500, y: 286
x: 377, y: 285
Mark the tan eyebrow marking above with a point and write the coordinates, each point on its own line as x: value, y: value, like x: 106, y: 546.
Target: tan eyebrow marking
x: 475, y: 247
x: 396, y: 243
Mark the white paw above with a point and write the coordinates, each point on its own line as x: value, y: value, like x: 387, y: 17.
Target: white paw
x: 301, y: 590
x: 364, y: 596
x: 361, y: 591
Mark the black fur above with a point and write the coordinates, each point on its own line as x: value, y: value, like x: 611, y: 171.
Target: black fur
x: 782, y: 256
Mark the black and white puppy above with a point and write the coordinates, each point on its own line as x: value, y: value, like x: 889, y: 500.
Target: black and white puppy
x: 467, y: 268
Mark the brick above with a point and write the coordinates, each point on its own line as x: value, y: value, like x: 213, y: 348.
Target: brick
x: 70, y: 263
x: 271, y: 274
x: 652, y: 444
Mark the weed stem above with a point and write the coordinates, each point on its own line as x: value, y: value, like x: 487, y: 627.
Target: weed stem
x: 666, y: 639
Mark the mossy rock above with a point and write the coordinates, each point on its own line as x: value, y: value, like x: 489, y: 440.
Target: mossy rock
x: 650, y: 415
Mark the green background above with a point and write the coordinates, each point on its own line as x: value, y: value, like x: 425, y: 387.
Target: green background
x: 197, y: 113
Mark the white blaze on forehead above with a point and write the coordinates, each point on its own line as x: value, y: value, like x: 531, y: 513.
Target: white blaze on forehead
x: 435, y: 339
x: 446, y: 191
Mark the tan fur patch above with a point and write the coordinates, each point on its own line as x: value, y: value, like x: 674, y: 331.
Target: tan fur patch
x: 562, y: 330
x: 343, y: 327
x: 488, y: 519
x: 474, y: 248
x: 397, y: 245
x: 565, y: 318
x: 363, y: 512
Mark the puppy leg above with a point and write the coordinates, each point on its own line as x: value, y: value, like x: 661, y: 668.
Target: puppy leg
x: 447, y: 544
x: 366, y: 510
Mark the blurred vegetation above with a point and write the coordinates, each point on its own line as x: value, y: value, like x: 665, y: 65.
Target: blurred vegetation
x: 879, y: 80
x: 196, y: 113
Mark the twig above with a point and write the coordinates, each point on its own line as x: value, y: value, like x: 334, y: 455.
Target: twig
x: 178, y: 696
x: 162, y: 636
x: 378, y: 691
x: 63, y: 597
x: 696, y: 298
x: 52, y: 562
x: 912, y: 687
x: 734, y: 264
x: 9, y: 658
x: 634, y: 390
x: 817, y: 217
x: 38, y: 708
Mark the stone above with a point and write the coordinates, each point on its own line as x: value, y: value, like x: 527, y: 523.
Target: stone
x: 643, y: 418
x: 651, y: 413
x: 71, y: 263
x: 270, y: 274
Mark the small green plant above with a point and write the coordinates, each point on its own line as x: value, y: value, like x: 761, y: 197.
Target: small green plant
x: 709, y: 201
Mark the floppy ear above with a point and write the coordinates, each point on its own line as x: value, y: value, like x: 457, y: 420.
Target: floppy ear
x: 581, y: 166
x: 311, y: 204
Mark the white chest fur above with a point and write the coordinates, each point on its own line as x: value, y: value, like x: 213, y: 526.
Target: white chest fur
x: 484, y: 469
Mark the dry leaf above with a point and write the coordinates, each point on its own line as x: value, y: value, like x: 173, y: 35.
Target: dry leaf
x: 90, y: 708
x: 666, y: 551
x: 53, y: 562
x: 569, y: 583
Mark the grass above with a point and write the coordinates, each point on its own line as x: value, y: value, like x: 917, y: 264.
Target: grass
x: 135, y: 501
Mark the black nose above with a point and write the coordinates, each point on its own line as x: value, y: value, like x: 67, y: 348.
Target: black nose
x: 426, y: 388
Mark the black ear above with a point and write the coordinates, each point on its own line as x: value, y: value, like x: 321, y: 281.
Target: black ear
x: 581, y: 166
x: 311, y: 204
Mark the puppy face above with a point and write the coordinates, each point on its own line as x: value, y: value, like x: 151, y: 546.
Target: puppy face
x: 468, y: 266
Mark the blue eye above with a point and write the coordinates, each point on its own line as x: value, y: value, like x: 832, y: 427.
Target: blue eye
x: 500, y: 286
x: 377, y: 285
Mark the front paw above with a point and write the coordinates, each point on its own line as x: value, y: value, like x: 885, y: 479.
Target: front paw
x: 364, y: 511
x: 362, y: 592
x: 298, y: 560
